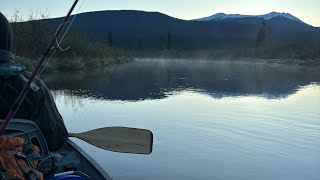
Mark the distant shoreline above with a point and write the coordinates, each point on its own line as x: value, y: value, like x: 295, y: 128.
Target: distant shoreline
x: 290, y: 62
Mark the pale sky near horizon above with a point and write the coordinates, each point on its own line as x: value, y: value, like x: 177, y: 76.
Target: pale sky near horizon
x: 306, y: 10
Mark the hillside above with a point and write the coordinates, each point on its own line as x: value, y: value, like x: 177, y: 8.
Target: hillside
x: 139, y: 29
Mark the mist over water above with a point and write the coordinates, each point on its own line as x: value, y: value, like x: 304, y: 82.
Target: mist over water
x: 210, y: 119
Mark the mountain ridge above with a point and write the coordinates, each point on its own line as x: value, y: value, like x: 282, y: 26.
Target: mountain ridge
x: 130, y: 27
x: 221, y: 16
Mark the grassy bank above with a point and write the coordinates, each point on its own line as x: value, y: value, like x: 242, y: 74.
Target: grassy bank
x: 32, y: 37
x: 80, y: 53
x: 74, y: 62
x: 68, y: 63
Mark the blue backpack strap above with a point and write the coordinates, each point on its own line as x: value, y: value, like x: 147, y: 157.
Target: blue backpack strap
x: 10, y: 69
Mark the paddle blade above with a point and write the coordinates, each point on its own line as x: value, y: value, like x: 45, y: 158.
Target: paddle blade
x: 119, y: 139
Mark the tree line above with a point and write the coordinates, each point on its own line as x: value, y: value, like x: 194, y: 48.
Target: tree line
x: 140, y: 42
x: 32, y: 36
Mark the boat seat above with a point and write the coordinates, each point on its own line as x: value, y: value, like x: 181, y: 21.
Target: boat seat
x: 28, y: 130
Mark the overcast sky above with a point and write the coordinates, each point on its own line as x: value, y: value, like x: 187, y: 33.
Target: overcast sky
x: 307, y: 10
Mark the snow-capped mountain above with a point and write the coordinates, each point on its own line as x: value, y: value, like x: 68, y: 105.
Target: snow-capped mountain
x: 221, y: 16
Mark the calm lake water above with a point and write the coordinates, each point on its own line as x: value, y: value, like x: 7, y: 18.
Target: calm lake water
x: 210, y: 119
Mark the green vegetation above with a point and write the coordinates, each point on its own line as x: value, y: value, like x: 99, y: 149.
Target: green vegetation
x: 262, y: 49
x: 67, y: 63
x: 32, y: 37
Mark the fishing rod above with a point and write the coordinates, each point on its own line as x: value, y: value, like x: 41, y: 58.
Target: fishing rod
x: 25, y: 89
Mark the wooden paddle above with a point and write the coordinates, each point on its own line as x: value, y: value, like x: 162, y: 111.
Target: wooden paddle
x: 119, y: 139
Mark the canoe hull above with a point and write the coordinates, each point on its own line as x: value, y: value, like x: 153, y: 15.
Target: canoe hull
x: 79, y: 159
x: 69, y: 158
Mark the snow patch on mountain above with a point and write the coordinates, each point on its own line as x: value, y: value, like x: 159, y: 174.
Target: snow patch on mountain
x: 220, y: 16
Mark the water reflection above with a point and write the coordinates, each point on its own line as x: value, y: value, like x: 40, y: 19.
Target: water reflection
x: 200, y: 137
x: 197, y: 133
x: 156, y: 79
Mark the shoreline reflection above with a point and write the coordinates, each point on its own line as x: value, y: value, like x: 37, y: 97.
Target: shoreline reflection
x: 157, y: 79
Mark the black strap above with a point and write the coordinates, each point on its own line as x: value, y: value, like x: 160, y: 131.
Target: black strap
x: 24, y: 172
x: 32, y: 174
x: 2, y: 168
x: 2, y: 176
